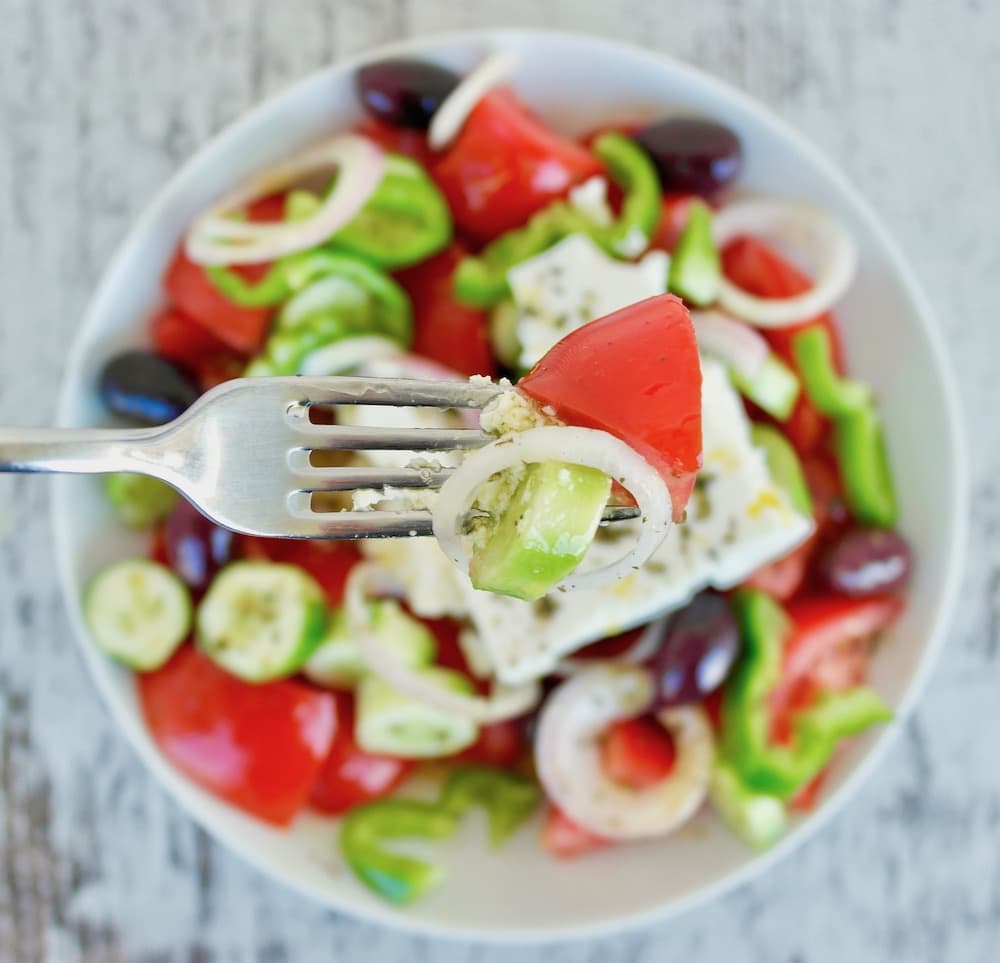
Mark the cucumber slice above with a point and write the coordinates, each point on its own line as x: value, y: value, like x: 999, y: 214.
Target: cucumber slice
x: 261, y: 620
x: 139, y: 612
x: 775, y: 388
x: 758, y: 819
x: 695, y: 268
x: 338, y: 663
x: 783, y: 464
x: 138, y: 500
x: 544, y: 531
x: 391, y: 723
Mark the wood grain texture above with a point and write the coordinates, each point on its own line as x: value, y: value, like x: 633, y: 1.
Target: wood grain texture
x: 100, y: 100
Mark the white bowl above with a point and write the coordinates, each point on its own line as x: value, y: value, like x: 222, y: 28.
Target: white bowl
x: 892, y: 341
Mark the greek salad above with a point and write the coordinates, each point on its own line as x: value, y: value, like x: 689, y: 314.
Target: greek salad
x: 658, y: 344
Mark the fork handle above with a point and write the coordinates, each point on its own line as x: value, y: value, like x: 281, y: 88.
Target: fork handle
x: 78, y: 451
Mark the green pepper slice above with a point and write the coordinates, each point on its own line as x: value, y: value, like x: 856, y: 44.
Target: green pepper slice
x: 397, y: 878
x: 508, y: 799
x: 695, y: 268
x: 405, y: 221
x: 631, y: 167
x: 746, y: 717
x: 859, y: 441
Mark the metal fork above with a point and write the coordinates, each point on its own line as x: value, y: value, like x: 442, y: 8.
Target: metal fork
x: 241, y: 453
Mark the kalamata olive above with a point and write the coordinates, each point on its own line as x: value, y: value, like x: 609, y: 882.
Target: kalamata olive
x: 867, y: 561
x: 404, y: 92
x: 195, y: 548
x: 699, y: 648
x: 692, y: 155
x: 143, y: 386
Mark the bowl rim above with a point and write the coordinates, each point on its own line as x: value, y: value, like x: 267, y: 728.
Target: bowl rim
x: 758, y: 114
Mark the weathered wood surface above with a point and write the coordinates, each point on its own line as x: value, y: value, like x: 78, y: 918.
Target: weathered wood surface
x: 100, y: 100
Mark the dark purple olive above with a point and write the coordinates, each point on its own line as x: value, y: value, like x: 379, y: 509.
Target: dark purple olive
x: 145, y: 387
x: 867, y: 561
x: 195, y: 548
x: 699, y: 648
x: 404, y: 92
x: 692, y: 155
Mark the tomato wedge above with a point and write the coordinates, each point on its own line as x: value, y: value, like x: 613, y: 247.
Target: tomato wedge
x: 257, y: 746
x: 500, y: 744
x: 188, y: 343
x: 189, y: 289
x: 783, y: 577
x: 505, y: 165
x: 349, y: 776
x: 564, y: 839
x: 637, y: 753
x: 760, y: 270
x: 328, y: 562
x: 636, y: 374
x: 829, y: 647
x: 444, y: 329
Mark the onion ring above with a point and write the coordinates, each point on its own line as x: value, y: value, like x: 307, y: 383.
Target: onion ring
x: 807, y: 228
x: 568, y: 755
x: 451, y: 115
x: 217, y: 239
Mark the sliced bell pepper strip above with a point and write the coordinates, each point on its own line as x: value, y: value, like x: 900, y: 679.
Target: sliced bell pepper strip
x: 832, y: 394
x: 396, y: 878
x: 481, y: 281
x: 746, y: 715
x: 695, y: 268
x: 508, y: 799
x: 293, y: 273
x: 631, y: 168
x: 858, y: 438
x: 759, y: 819
x: 404, y: 221
x: 264, y: 292
x: 864, y: 467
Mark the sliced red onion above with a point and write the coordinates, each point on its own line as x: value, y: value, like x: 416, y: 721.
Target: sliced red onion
x: 577, y: 446
x: 568, y: 755
x: 505, y: 701
x: 801, y: 227
x: 450, y: 117
x: 216, y: 238
x: 347, y: 355
x: 736, y: 344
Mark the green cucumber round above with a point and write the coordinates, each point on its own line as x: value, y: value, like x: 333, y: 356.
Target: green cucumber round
x: 393, y: 724
x: 261, y: 620
x: 139, y: 612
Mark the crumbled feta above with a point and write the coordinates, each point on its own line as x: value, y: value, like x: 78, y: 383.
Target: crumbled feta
x: 633, y: 243
x: 573, y: 283
x: 591, y: 200
x: 511, y: 411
